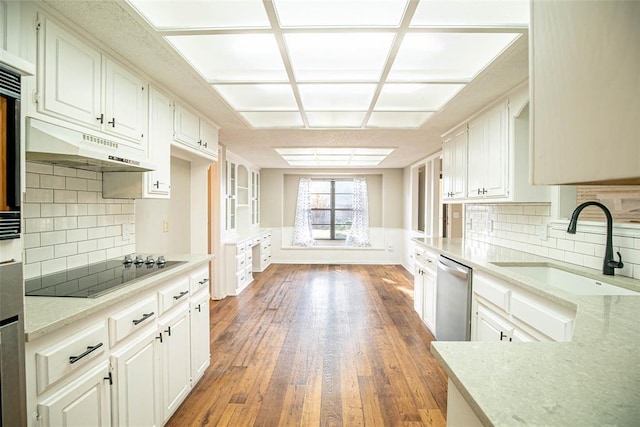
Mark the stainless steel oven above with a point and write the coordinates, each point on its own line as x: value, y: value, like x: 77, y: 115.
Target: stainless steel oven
x: 12, y: 375
x: 9, y: 154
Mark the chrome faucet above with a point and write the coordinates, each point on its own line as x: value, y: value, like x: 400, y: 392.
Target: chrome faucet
x: 609, y: 264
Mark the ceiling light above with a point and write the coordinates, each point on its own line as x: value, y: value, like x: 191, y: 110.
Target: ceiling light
x: 338, y: 56
x: 415, y: 96
x: 335, y: 119
x: 336, y: 97
x: 259, y: 97
x: 447, y: 56
x: 471, y: 13
x: 233, y: 57
x: 273, y: 119
x: 334, y: 156
x: 339, y: 13
x: 165, y: 15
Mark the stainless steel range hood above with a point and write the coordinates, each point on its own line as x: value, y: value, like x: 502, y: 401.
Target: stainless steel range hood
x: 49, y: 143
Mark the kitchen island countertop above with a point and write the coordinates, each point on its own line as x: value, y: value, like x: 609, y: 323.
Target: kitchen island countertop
x: 44, y: 315
x: 592, y: 380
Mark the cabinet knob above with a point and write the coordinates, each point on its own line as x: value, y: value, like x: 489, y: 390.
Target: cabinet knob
x: 112, y: 122
x: 100, y: 119
x: 200, y: 142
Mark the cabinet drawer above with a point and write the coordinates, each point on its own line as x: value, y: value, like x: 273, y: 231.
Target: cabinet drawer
x: 199, y: 279
x: 492, y: 291
x: 240, y: 247
x: 61, y: 359
x: 241, y: 261
x: 174, y: 294
x: 131, y: 319
x: 240, y: 279
x: 248, y: 257
x: 550, y: 319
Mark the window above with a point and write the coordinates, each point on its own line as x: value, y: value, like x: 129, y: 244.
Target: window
x: 331, y: 208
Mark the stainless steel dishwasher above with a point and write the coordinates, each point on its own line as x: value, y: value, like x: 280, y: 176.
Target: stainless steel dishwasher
x: 453, y: 301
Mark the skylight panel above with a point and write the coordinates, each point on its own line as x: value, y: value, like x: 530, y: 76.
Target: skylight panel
x: 258, y: 97
x: 334, y: 156
x: 394, y: 119
x: 415, y: 96
x: 468, y: 13
x: 338, y: 56
x: 233, y: 57
x: 339, y: 13
x: 335, y: 119
x: 336, y: 97
x: 202, y: 14
x: 447, y: 56
x: 273, y: 119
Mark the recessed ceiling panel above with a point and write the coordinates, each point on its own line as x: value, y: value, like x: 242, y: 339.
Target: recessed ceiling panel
x: 259, y: 97
x: 339, y: 13
x: 395, y: 119
x: 273, y: 119
x: 467, y: 13
x: 415, y: 96
x: 338, y: 56
x: 447, y: 56
x: 201, y: 14
x: 335, y: 119
x: 336, y: 97
x: 233, y: 57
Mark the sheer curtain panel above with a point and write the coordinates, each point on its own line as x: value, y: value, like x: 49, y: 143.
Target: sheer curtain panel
x: 302, y: 232
x: 359, y: 233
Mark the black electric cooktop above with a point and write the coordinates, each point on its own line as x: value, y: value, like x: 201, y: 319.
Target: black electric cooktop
x: 94, y: 280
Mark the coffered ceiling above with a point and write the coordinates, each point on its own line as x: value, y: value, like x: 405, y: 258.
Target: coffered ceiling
x: 321, y: 74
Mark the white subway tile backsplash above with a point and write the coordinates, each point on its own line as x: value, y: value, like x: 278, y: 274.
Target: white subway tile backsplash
x: 68, y: 223
x: 519, y: 227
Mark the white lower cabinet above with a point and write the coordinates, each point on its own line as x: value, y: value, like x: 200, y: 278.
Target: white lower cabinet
x: 136, y: 382
x: 83, y: 402
x: 244, y: 256
x: 176, y: 359
x: 424, y: 282
x: 77, y: 376
x: 504, y: 312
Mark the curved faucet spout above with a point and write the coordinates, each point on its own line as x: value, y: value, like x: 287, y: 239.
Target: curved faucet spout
x: 609, y: 264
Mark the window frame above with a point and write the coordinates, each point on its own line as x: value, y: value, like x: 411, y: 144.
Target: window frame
x: 332, y: 209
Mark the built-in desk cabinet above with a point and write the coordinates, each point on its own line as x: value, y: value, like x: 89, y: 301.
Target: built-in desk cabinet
x: 243, y: 257
x: 128, y: 365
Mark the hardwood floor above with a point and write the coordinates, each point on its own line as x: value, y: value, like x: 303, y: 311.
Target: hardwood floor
x: 319, y: 345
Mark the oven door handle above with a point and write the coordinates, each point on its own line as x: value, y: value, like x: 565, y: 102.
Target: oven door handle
x: 90, y: 349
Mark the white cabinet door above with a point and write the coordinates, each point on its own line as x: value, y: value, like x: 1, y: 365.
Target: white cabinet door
x: 83, y: 402
x: 231, y: 191
x: 489, y: 326
x: 136, y: 382
x: 208, y: 139
x: 125, y: 112
x: 255, y: 198
x: 186, y: 126
x: 158, y: 182
x: 454, y: 165
x: 429, y: 314
x: 418, y: 290
x: 176, y: 359
x: 69, y: 76
x: 200, y: 348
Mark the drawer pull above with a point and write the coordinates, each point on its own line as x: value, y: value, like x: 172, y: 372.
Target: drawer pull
x: 203, y: 281
x: 183, y: 293
x: 144, y: 317
x: 74, y: 359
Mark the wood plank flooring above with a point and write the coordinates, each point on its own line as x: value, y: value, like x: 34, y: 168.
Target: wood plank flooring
x: 319, y: 345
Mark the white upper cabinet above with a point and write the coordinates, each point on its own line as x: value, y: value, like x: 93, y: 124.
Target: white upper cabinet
x: 493, y: 165
x: 585, y: 63
x: 125, y: 103
x: 488, y: 147
x: 195, y: 132
x: 78, y: 84
x: 454, y: 165
x: 158, y: 182
x: 69, y: 73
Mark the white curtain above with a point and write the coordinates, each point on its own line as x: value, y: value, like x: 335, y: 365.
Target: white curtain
x: 359, y: 233
x: 302, y: 232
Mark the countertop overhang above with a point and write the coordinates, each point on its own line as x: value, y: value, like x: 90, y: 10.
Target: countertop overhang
x: 592, y: 380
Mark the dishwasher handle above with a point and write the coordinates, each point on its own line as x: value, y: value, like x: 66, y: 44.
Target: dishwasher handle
x: 462, y: 273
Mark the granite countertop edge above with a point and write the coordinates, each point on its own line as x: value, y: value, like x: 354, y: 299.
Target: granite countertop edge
x: 548, y: 383
x: 44, y: 315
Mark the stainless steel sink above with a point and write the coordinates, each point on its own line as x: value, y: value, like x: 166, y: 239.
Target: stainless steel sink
x: 565, y: 280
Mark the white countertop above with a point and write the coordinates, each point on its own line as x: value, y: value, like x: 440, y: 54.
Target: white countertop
x: 44, y: 315
x: 592, y: 380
